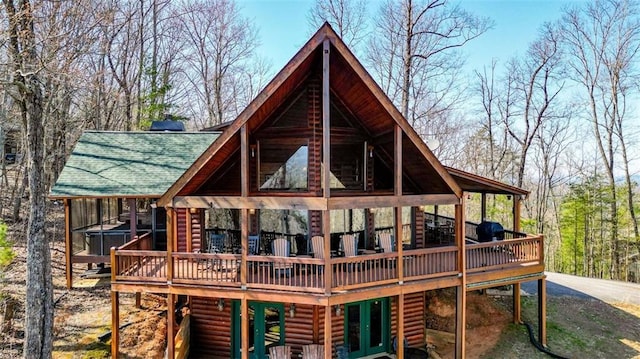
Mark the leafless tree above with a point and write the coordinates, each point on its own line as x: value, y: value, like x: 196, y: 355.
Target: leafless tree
x: 413, y: 52
x: 26, y: 62
x: 347, y: 17
x: 221, y: 43
x: 603, y: 38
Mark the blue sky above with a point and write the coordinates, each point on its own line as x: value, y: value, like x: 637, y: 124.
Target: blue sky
x: 283, y: 27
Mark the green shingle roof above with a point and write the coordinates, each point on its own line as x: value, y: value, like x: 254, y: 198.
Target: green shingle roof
x: 120, y: 164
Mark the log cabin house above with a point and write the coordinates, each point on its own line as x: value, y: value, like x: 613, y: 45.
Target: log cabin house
x: 313, y: 205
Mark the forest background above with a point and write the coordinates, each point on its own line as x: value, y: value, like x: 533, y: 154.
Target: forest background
x: 560, y: 119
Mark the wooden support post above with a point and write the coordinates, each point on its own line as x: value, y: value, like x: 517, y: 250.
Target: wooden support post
x: 68, y: 250
x: 171, y: 330
x: 133, y: 220
x: 244, y: 328
x: 138, y: 300
x: 516, y: 304
x: 397, y: 171
x: 483, y: 206
x: 326, y: 121
x: 244, y: 243
x: 542, y: 311
x: 328, y: 346
x: 115, y: 323
x: 316, y: 324
x: 171, y: 239
x: 400, y: 336
x: 328, y: 269
x: 461, y: 319
x: 189, y: 229
x: 398, y: 235
x: 461, y: 295
x: 517, y: 202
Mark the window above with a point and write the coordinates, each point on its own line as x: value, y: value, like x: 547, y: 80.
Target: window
x: 283, y: 166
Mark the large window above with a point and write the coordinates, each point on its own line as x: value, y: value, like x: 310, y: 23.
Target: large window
x: 283, y: 166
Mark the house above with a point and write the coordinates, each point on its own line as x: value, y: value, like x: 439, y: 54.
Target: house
x: 304, y: 222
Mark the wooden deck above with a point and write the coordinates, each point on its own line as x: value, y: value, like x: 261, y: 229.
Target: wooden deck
x: 305, y: 274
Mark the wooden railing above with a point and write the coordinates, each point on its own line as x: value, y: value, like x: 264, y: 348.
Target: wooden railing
x: 305, y: 274
x: 501, y: 254
x: 134, y: 261
x: 470, y: 227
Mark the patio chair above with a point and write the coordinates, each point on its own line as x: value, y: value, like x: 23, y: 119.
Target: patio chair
x: 280, y: 352
x: 349, y: 244
x: 387, y: 242
x: 254, y: 245
x: 281, y: 248
x: 317, y: 244
x: 216, y: 243
x: 313, y: 351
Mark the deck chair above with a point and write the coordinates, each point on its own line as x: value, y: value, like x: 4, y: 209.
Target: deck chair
x: 281, y: 248
x: 349, y: 244
x: 313, y: 351
x: 387, y: 242
x: 216, y: 243
x: 254, y: 245
x: 280, y: 352
x: 317, y: 244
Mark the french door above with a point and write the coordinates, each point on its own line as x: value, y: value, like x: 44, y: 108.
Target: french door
x: 367, y: 327
x: 266, y: 328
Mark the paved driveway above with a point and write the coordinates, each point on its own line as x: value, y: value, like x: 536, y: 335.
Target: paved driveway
x: 602, y: 289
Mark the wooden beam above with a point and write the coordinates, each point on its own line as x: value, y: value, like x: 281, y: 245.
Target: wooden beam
x: 244, y: 328
x: 244, y: 161
x: 483, y: 206
x: 380, y: 201
x: 328, y: 270
x: 517, y: 305
x: 542, y: 311
x: 244, y: 243
x: 115, y: 323
x: 172, y: 235
x: 189, y: 237
x: 171, y: 319
x: 328, y: 346
x: 397, y: 161
x: 133, y: 220
x: 68, y: 250
x: 257, y: 202
x: 326, y: 120
x: 400, y: 336
x: 397, y: 214
x: 461, y: 295
x: 517, y: 202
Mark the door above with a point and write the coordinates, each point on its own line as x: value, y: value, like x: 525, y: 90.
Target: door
x: 367, y: 327
x: 266, y: 328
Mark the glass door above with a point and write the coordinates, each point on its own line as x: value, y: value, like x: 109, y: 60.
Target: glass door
x: 266, y: 328
x: 367, y: 327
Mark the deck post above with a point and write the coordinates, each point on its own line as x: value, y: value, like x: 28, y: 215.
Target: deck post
x: 516, y: 303
x: 171, y: 318
x: 517, y: 201
x: 398, y: 192
x: 67, y: 242
x: 400, y: 336
x: 461, y: 290
x: 483, y: 206
x: 115, y: 323
x: 328, y: 269
x: 133, y: 220
x: 542, y: 311
x: 328, y: 346
x: 244, y: 327
x: 244, y: 243
x: 172, y: 229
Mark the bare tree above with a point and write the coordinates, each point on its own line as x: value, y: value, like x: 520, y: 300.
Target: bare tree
x: 221, y: 43
x: 29, y: 97
x: 413, y: 52
x: 347, y: 17
x: 603, y: 38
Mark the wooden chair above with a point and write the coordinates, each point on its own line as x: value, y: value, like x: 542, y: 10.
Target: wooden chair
x: 317, y: 244
x: 281, y: 248
x: 313, y: 351
x: 387, y: 242
x: 280, y: 352
x: 349, y: 244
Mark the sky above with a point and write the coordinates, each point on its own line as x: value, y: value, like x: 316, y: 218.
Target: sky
x: 283, y: 27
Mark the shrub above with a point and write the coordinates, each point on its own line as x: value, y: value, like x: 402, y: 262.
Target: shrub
x: 6, y: 251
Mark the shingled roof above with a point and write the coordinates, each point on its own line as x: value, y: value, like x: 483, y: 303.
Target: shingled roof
x: 129, y: 164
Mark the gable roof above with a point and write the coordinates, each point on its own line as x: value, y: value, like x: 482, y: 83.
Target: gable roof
x: 354, y: 84
x: 128, y: 164
x: 470, y: 182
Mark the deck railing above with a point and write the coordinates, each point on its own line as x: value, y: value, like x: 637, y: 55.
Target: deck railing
x: 305, y: 274
x: 501, y: 254
x: 134, y: 261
